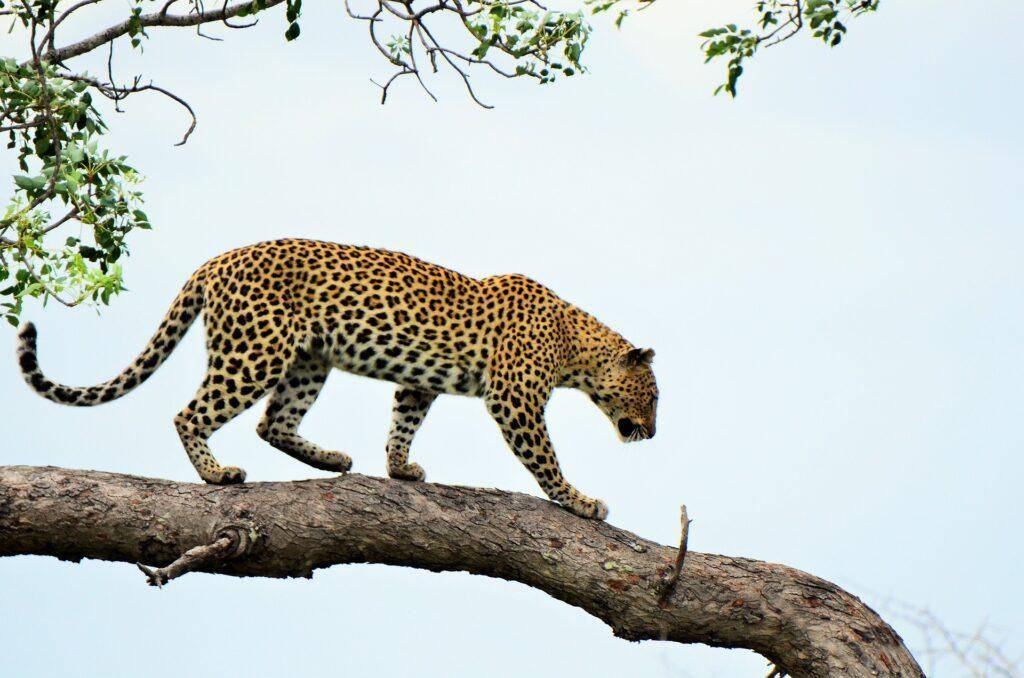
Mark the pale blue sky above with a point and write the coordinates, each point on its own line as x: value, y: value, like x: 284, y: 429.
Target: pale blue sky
x: 829, y: 268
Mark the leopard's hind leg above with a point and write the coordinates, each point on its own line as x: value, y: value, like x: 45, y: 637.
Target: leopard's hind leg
x: 212, y: 407
x: 246, y: 357
x: 289, y: 402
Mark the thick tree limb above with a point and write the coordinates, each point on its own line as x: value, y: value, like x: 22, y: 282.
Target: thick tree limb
x: 807, y: 626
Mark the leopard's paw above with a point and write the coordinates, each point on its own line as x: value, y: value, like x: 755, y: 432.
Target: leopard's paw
x: 593, y: 509
x: 339, y: 462
x: 227, y: 475
x: 410, y: 471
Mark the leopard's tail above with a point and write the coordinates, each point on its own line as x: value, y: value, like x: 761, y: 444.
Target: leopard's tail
x: 179, y: 317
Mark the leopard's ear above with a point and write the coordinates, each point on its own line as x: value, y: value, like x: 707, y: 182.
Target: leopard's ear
x: 638, y: 357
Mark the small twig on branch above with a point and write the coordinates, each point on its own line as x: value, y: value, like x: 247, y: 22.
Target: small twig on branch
x: 185, y: 104
x: 167, y: 6
x: 48, y: 38
x: 22, y: 125
x: 796, y: 20
x: 235, y: 26
x: 116, y: 93
x: 71, y: 214
x: 669, y: 585
x: 230, y: 543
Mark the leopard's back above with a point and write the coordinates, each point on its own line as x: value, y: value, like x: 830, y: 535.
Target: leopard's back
x: 373, y: 312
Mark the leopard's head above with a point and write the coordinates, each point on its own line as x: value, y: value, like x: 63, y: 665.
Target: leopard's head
x: 627, y: 393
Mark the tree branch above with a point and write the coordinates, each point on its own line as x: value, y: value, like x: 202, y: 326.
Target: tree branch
x: 158, y: 18
x: 805, y: 625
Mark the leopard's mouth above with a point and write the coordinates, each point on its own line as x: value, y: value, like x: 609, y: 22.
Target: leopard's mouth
x: 630, y: 431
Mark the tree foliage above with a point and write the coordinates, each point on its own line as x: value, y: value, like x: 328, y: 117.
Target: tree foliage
x: 778, y: 21
x: 51, y: 116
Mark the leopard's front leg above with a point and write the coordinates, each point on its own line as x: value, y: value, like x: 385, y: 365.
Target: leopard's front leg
x: 408, y: 411
x: 520, y: 415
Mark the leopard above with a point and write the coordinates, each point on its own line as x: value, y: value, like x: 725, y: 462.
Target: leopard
x: 279, y: 316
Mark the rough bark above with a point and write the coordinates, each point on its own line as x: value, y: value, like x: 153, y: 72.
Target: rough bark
x: 807, y: 626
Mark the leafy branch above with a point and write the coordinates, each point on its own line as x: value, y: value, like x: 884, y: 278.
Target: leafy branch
x: 53, y: 127
x: 777, y: 22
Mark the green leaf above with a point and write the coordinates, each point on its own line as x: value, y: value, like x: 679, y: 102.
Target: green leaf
x: 29, y: 183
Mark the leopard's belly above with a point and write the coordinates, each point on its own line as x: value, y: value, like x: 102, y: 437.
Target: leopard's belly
x: 436, y: 364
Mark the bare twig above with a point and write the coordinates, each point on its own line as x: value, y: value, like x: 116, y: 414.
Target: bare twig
x: 237, y: 26
x: 194, y: 558
x: 668, y: 586
x: 117, y: 93
x: 167, y: 6
x: 48, y: 38
x: 72, y: 213
x: 23, y: 125
x: 795, y: 19
x: 174, y: 97
x: 457, y: 69
x: 975, y: 652
x: 388, y: 82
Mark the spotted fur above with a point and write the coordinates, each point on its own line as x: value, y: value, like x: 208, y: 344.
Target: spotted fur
x: 280, y: 315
